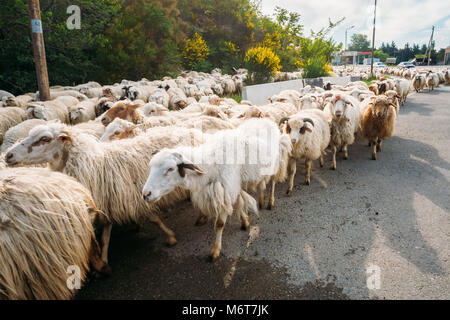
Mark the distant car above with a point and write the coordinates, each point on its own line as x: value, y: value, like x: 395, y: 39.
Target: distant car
x: 406, y: 64
x: 379, y: 65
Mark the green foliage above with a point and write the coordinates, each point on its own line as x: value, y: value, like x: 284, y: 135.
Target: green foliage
x: 359, y: 42
x: 131, y: 39
x: 380, y: 55
x: 315, y: 67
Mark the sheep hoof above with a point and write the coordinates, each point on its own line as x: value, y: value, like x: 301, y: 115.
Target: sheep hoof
x: 374, y: 157
x: 289, y: 192
x: 171, y: 241
x: 345, y: 157
x: 307, y: 182
x: 213, y: 256
x: 200, y: 221
x: 333, y: 167
x: 106, y: 270
x: 269, y: 206
x: 244, y: 226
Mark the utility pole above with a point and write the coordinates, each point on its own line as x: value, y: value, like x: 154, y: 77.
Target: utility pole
x: 345, y: 47
x: 37, y: 38
x: 373, y: 37
x: 428, y: 51
x: 430, y: 45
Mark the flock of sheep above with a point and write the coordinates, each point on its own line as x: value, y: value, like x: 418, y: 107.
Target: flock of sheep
x: 94, y: 157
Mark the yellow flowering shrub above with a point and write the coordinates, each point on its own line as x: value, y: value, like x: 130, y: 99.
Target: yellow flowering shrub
x: 262, y: 63
x: 314, y: 67
x: 195, y: 51
x: 272, y: 41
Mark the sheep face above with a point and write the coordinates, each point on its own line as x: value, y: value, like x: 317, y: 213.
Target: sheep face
x: 122, y: 110
x: 37, y: 111
x: 167, y: 171
x: 339, y: 107
x: 43, y: 144
x: 118, y: 129
x: 153, y: 109
x: 298, y: 128
x: 76, y: 115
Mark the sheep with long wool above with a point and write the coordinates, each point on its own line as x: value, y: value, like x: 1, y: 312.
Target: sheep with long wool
x: 113, y: 172
x: 215, y: 174
x: 46, y: 223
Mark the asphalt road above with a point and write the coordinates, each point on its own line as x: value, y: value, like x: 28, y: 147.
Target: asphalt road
x: 388, y: 220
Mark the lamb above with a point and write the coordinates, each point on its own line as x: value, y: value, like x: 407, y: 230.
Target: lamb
x: 82, y: 112
x: 216, y: 183
x: 46, y: 223
x: 377, y: 122
x: 344, y: 113
x: 125, y: 110
x: 9, y: 117
x: 418, y: 82
x: 432, y: 80
x: 100, y: 166
x: 310, y: 135
x: 19, y: 132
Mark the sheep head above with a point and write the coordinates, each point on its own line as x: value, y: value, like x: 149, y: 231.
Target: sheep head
x: 45, y: 143
x: 124, y: 110
x: 118, y: 129
x: 168, y: 170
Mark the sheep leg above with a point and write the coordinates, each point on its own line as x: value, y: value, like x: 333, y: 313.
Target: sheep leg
x: 292, y: 165
x: 106, y: 236
x: 271, y: 203
x: 345, y: 150
x: 308, y: 164
x: 379, y: 145
x: 240, y: 208
x: 98, y: 263
x: 333, y: 160
x: 261, y: 189
x: 374, y: 150
x: 220, y: 224
x: 201, y: 220
x: 171, y: 240
x: 321, y: 161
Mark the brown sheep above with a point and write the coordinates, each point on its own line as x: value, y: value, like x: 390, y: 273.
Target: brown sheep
x: 377, y: 122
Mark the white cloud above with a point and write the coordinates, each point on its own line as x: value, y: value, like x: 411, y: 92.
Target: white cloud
x: 400, y: 20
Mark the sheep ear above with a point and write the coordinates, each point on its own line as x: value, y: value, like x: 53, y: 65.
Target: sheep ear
x: 64, y: 138
x: 270, y: 99
x: 189, y: 166
x: 282, y: 100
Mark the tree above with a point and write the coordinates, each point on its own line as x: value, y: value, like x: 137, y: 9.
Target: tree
x: 359, y: 42
x: 380, y: 55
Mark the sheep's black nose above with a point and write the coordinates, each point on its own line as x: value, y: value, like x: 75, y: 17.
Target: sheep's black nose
x: 9, y: 156
x: 147, y: 195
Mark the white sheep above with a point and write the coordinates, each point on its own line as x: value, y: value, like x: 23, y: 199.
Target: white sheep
x: 344, y: 113
x: 82, y: 111
x: 19, y: 132
x: 215, y: 174
x: 46, y: 223
x: 9, y: 117
x: 432, y: 81
x: 113, y: 172
x: 310, y: 135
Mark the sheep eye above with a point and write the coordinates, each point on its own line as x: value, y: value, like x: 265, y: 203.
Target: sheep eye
x: 116, y: 133
x: 45, y: 139
x: 302, y: 130
x: 169, y: 170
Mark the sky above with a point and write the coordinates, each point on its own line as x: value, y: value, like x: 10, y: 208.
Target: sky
x: 401, y: 21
